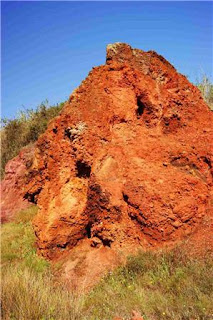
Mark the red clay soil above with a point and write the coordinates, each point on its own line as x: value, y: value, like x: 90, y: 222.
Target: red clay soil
x: 135, y: 316
x: 126, y: 165
x: 12, y: 187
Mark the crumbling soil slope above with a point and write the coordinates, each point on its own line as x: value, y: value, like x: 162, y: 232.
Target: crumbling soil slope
x: 127, y: 164
x: 13, y: 184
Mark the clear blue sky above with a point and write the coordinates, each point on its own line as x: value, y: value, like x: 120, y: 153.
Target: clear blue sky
x: 48, y: 48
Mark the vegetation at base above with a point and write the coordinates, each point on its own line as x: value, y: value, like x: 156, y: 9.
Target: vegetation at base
x: 18, y: 244
x: 29, y: 289
x: 168, y: 285
x: 25, y: 129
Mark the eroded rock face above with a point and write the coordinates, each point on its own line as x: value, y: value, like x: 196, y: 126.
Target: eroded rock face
x: 13, y: 185
x: 129, y: 160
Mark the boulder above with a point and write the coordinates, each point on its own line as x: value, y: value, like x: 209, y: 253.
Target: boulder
x: 128, y: 162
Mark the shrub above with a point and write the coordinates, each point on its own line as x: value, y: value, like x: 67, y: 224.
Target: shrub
x: 206, y: 88
x: 25, y: 129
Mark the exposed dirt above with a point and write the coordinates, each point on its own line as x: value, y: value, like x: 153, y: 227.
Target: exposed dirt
x: 126, y: 165
x: 12, y: 187
x: 135, y: 316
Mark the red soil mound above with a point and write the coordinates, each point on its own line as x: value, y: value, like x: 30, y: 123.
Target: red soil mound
x: 126, y: 165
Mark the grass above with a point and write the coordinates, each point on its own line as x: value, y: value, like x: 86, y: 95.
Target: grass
x: 29, y: 295
x: 167, y: 285
x: 161, y: 286
x: 29, y: 290
x: 18, y: 247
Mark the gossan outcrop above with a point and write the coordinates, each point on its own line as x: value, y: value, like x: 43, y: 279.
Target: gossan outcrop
x: 127, y: 164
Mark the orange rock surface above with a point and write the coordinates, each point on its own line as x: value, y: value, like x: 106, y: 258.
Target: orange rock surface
x: 13, y: 185
x: 126, y: 165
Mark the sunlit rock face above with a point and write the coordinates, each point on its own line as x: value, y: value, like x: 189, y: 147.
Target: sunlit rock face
x: 127, y: 163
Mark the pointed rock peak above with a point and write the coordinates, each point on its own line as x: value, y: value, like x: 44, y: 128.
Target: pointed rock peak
x: 118, y: 51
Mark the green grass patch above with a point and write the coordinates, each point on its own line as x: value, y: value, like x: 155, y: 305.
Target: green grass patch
x: 18, y: 243
x: 167, y: 285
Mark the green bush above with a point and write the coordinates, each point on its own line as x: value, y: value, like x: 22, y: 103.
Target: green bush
x: 206, y: 88
x: 25, y: 129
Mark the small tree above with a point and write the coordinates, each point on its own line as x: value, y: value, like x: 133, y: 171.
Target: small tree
x: 206, y: 88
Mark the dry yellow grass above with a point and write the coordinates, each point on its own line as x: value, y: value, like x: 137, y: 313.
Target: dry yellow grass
x: 167, y: 285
